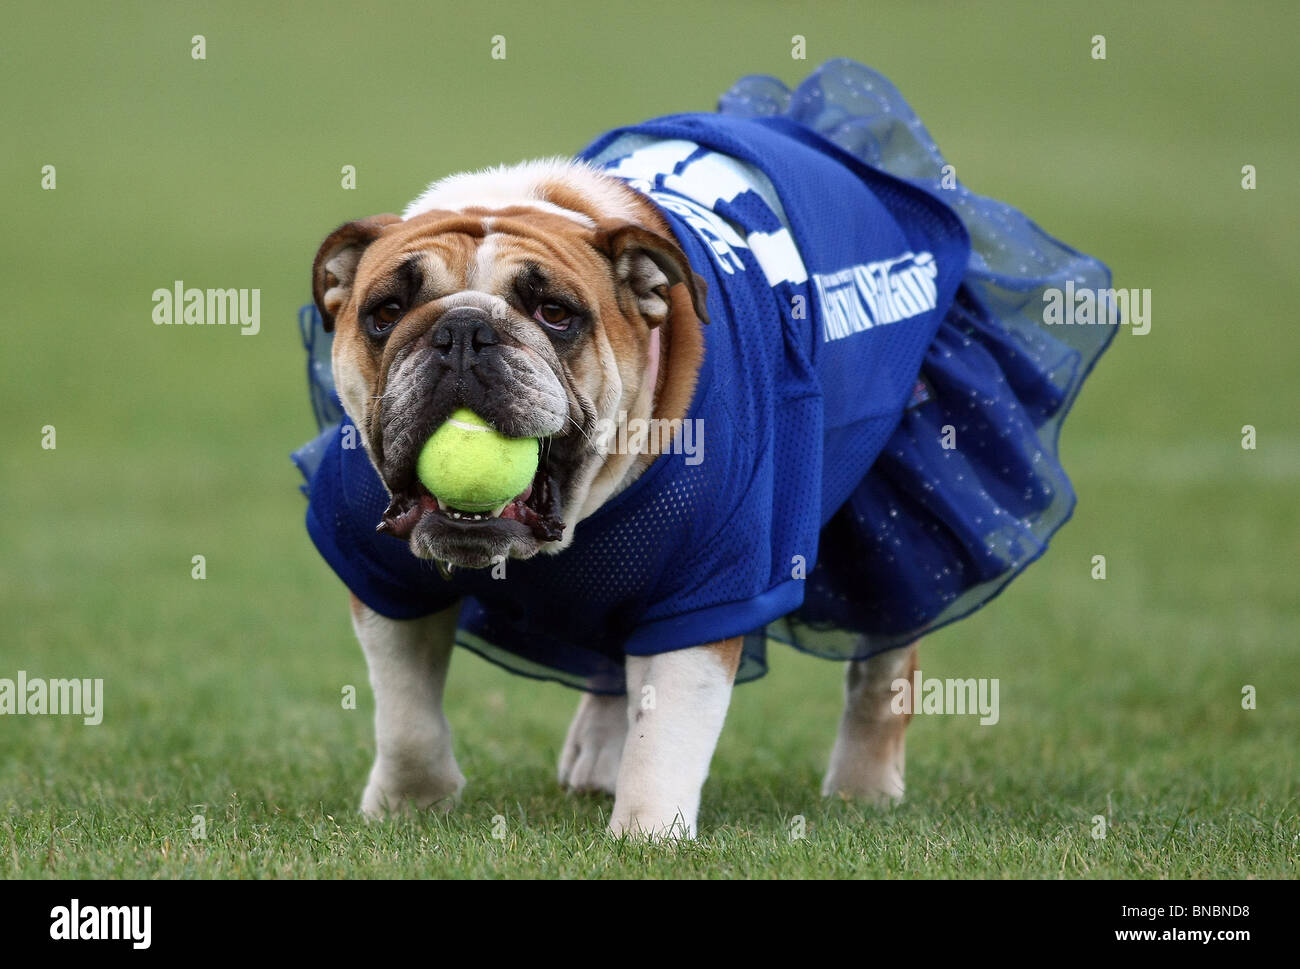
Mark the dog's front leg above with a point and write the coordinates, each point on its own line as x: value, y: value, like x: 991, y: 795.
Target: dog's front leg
x: 676, y: 704
x: 408, y: 659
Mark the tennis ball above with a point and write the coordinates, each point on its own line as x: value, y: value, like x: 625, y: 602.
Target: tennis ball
x: 471, y: 467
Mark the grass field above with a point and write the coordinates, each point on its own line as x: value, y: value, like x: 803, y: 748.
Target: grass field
x: 1120, y: 698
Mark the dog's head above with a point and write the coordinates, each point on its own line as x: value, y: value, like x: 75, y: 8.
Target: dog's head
x: 532, y: 296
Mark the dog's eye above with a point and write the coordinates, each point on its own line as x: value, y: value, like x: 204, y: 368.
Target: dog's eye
x: 384, y: 317
x: 554, y: 315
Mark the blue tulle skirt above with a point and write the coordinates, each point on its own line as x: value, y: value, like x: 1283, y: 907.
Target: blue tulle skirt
x: 970, y: 487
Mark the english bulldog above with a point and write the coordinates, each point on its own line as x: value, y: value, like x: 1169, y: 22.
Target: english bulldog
x: 740, y: 278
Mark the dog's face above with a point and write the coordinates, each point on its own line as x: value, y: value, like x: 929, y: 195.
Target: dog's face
x: 536, y: 315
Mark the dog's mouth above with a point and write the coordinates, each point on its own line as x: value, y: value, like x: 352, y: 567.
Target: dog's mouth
x: 534, y: 512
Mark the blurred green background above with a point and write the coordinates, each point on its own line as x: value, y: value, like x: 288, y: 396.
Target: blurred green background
x: 1119, y: 697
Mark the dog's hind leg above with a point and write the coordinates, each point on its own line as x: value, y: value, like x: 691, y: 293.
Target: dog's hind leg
x: 867, y: 759
x: 594, y: 746
x: 414, y: 764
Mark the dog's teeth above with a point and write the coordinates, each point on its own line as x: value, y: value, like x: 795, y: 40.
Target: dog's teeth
x: 468, y: 516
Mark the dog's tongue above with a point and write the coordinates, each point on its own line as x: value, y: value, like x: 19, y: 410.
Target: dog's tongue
x: 516, y: 508
x: 545, y: 528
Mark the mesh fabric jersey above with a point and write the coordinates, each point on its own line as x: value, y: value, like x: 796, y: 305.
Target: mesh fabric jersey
x: 830, y: 505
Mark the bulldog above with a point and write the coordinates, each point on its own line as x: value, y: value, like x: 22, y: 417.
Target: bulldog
x: 797, y: 308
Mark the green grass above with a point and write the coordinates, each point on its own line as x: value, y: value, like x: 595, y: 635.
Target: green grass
x: 1119, y: 697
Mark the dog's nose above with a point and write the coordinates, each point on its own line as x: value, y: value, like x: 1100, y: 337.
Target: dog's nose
x: 461, y: 334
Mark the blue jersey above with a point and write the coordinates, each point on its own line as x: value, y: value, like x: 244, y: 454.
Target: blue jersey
x: 816, y: 495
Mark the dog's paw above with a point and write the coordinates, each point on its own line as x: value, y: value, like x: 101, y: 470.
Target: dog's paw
x: 593, y: 748
x: 393, y: 790
x: 651, y: 824
x: 878, y: 782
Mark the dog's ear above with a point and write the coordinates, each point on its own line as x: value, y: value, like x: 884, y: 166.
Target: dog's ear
x: 336, y: 263
x: 650, y: 264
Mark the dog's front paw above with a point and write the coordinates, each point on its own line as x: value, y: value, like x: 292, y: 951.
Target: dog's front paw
x: 651, y: 824
x: 393, y: 789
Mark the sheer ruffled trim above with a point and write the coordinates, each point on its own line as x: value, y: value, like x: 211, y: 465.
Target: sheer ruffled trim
x: 938, y: 529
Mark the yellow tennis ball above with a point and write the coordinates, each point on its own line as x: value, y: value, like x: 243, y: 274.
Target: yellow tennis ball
x: 469, y: 466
